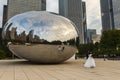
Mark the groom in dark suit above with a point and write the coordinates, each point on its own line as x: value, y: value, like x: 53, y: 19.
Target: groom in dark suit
x: 87, y: 54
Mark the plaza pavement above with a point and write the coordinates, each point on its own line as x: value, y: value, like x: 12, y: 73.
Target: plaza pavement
x: 20, y: 69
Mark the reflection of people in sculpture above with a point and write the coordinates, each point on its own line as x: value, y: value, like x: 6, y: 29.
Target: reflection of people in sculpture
x: 90, y: 62
x: 61, y: 48
x: 9, y: 43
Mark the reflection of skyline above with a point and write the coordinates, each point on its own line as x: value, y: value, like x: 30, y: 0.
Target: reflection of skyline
x: 22, y: 38
x: 30, y: 38
x: 44, y: 25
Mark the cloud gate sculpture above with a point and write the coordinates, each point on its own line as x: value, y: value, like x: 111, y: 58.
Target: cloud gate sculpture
x: 41, y: 37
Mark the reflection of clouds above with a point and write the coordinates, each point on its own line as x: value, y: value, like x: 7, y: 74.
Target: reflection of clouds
x: 20, y: 30
x: 26, y: 23
x: 45, y: 25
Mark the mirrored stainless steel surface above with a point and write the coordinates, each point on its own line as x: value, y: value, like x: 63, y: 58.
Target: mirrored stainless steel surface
x: 41, y: 36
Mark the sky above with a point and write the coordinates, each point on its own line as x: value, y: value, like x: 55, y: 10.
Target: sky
x: 2, y: 2
x: 92, y: 9
x: 94, y: 15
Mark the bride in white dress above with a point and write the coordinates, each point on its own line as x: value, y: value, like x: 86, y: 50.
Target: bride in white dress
x: 90, y: 62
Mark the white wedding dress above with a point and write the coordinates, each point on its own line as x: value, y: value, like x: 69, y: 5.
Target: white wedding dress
x: 90, y: 62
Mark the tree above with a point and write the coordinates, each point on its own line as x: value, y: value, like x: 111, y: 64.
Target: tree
x: 110, y: 42
x: 110, y: 39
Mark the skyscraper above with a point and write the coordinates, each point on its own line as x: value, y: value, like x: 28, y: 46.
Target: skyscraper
x: 84, y: 21
x: 90, y: 33
x: 105, y: 15
x: 4, y: 15
x: 72, y: 9
x: 110, y: 12
x: 116, y: 13
x: 20, y: 6
x: 0, y: 36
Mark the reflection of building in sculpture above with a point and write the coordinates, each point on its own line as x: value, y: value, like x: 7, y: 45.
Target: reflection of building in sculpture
x: 13, y: 33
x: 36, y: 39
x: 23, y: 36
x: 30, y: 36
x: 18, y: 34
x: 8, y: 31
